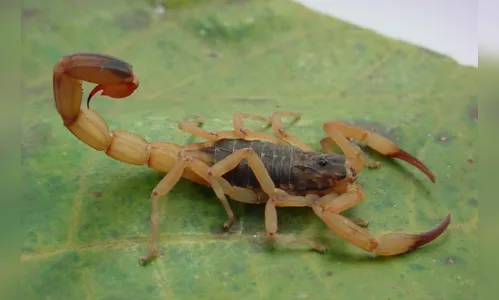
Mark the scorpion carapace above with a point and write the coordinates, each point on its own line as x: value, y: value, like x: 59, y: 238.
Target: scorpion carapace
x: 248, y: 166
x: 291, y: 169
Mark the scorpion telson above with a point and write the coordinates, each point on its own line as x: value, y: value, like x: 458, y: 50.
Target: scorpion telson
x: 248, y: 166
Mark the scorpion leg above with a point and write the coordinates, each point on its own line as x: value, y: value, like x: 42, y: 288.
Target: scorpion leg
x: 327, y: 145
x: 339, y: 131
x: 164, y: 187
x: 192, y: 126
x: 238, y: 123
x: 277, y: 197
x: 275, y: 120
x: 241, y: 132
x: 221, y: 187
x: 387, y: 245
x: 277, y: 127
x: 352, y: 197
x: 282, y: 199
x: 161, y: 189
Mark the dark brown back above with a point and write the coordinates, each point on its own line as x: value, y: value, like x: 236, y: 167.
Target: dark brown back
x: 277, y: 159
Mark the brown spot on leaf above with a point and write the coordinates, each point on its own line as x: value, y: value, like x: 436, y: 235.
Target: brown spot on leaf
x: 212, y: 55
x: 84, y: 227
x: 29, y: 13
x: 97, y: 194
x: 450, y: 260
x: 470, y: 160
x: 473, y: 202
x: 443, y: 137
x: 473, y: 112
x: 258, y: 101
x: 329, y: 273
x: 133, y: 20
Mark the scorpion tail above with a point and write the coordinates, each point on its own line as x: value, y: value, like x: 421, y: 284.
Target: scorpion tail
x: 114, y: 77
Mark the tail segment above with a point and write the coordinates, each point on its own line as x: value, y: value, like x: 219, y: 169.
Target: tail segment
x: 115, y: 78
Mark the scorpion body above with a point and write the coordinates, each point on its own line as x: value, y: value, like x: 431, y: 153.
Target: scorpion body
x: 248, y: 166
x: 293, y: 170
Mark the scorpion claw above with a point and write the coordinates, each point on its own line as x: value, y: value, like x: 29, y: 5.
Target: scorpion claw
x: 428, y: 236
x: 403, y: 155
x: 400, y: 243
x: 388, y: 244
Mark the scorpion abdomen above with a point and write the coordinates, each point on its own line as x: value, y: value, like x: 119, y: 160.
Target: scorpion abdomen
x: 277, y: 159
x: 290, y: 168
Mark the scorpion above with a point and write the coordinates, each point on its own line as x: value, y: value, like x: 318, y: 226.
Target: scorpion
x: 249, y: 166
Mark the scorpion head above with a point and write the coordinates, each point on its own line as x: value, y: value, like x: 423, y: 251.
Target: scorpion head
x: 319, y: 171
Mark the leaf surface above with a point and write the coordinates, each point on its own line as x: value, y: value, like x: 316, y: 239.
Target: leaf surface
x: 87, y: 215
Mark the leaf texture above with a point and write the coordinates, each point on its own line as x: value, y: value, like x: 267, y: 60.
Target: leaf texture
x: 87, y: 215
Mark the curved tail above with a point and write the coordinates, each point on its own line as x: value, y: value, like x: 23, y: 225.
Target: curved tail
x: 115, y: 78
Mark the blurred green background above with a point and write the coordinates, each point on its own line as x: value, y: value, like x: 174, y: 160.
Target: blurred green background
x: 86, y: 216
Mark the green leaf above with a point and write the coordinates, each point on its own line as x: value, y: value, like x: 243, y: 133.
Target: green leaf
x: 86, y: 216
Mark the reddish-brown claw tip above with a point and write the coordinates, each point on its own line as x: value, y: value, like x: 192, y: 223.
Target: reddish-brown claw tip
x: 403, y: 155
x: 426, y: 237
x: 400, y: 243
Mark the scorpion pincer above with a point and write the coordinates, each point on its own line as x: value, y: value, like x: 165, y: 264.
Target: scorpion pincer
x: 248, y: 166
